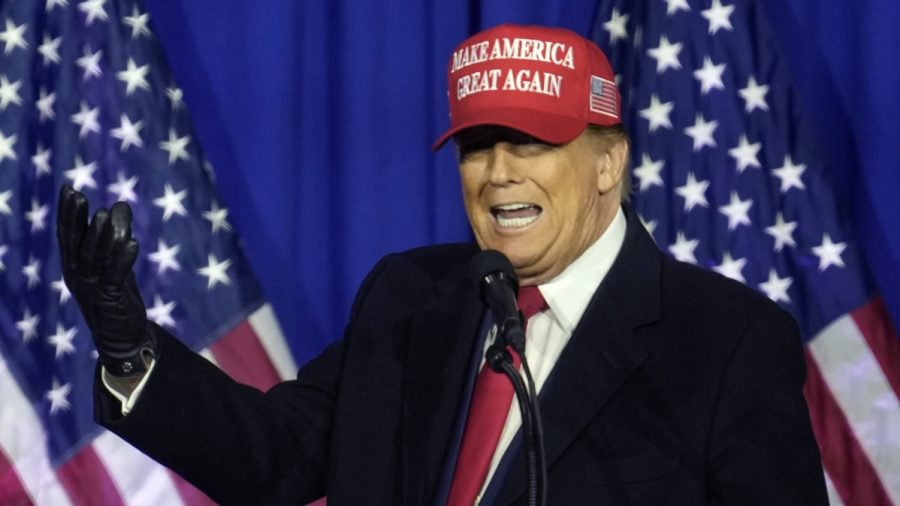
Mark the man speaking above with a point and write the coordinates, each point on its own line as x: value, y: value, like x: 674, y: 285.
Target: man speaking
x: 659, y: 383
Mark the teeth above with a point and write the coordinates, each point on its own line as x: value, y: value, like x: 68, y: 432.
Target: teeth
x: 513, y: 207
x: 515, y: 222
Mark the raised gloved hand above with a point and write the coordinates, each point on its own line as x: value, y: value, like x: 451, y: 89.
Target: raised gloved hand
x: 96, y: 266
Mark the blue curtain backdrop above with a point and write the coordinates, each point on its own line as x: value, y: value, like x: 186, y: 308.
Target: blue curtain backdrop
x: 318, y: 116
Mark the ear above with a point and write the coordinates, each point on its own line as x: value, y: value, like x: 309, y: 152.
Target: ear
x: 611, y: 166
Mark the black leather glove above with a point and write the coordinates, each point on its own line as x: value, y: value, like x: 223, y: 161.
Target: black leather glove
x: 96, y: 266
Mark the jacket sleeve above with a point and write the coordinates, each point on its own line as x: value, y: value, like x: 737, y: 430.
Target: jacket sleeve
x: 235, y: 443
x: 761, y: 448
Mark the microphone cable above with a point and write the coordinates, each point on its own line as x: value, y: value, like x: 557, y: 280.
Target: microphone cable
x: 499, y: 359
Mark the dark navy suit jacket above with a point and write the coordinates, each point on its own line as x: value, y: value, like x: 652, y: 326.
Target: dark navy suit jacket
x: 678, y: 386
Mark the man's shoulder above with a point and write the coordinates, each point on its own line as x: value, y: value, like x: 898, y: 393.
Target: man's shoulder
x: 705, y: 291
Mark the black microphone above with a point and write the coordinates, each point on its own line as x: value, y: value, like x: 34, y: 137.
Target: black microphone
x: 498, y: 286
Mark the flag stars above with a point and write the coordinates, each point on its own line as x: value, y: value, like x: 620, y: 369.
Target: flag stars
x: 176, y: 146
x: 782, y: 232
x: 123, y: 188
x: 64, y: 293
x: 41, y: 161
x: 90, y: 63
x: 217, y: 217
x: 93, y: 10
x: 732, y: 267
x: 45, y: 105
x: 745, y: 154
x: 13, y: 36
x: 134, y: 77
x: 683, y: 249
x: 648, y: 173
x: 710, y: 76
x: 9, y: 92
x: 87, y: 120
x: 161, y: 312
x: 718, y: 16
x: 7, y: 146
x: 694, y: 192
x: 82, y: 174
x: 701, y: 132
x: 37, y: 216
x: 176, y: 97
x: 62, y: 340
x: 657, y: 113
x: 737, y: 211
x: 49, y: 49
x: 59, y: 397
x: 171, y: 202
x: 754, y: 95
x: 790, y: 175
x: 5, y: 209
x: 28, y: 326
x: 666, y: 55
x: 3, y: 250
x: 829, y: 253
x: 32, y: 272
x: 164, y: 257
x: 54, y: 3
x: 129, y: 133
x: 616, y: 26
x: 673, y: 6
x: 215, y: 271
x: 776, y: 288
x: 138, y: 23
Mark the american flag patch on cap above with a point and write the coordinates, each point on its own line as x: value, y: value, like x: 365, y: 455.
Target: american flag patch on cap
x: 603, y: 97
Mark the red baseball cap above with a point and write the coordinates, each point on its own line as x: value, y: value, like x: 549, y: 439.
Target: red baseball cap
x: 549, y: 83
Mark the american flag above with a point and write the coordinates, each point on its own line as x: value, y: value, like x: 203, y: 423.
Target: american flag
x: 86, y: 99
x: 603, y: 97
x: 726, y: 176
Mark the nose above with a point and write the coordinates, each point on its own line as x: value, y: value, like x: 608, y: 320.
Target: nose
x: 502, y: 166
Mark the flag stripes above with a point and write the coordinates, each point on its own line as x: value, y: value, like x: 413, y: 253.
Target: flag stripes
x: 12, y: 492
x: 87, y: 481
x: 872, y: 320
x: 109, y: 471
x: 848, y: 468
x: 860, y: 389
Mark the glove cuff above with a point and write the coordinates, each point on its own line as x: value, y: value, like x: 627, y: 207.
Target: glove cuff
x: 132, y: 363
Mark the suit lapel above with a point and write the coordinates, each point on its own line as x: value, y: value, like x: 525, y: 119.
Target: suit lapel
x: 441, y: 341
x: 601, y: 354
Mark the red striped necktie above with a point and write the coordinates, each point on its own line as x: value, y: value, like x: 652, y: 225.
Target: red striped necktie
x: 487, y: 414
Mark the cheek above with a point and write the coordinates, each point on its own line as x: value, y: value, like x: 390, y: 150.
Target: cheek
x: 471, y: 181
x: 468, y: 190
x: 572, y: 204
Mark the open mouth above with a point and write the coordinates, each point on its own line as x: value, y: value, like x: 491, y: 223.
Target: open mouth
x: 516, y: 215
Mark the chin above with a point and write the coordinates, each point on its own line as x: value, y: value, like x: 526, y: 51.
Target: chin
x: 518, y: 250
x: 520, y: 260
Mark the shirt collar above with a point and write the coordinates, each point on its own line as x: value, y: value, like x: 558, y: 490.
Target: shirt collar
x: 568, y: 294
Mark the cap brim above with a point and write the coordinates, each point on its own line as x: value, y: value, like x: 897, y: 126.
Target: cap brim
x: 548, y: 127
